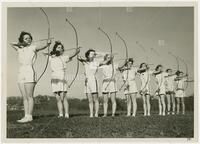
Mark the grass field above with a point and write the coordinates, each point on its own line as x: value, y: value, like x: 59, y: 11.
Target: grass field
x: 79, y: 125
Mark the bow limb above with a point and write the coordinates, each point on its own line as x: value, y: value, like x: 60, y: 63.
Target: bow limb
x: 178, y: 65
x: 77, y: 68
x: 186, y: 72
x: 148, y: 76
x: 126, y: 59
x: 47, y: 62
x: 111, y: 51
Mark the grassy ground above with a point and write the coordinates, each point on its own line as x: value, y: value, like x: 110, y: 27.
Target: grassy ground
x: 79, y: 125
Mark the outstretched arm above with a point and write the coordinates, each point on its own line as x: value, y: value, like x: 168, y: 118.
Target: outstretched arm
x: 42, y: 47
x: 75, y: 53
x: 15, y: 46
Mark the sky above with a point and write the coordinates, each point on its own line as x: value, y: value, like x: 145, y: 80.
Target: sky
x: 166, y: 29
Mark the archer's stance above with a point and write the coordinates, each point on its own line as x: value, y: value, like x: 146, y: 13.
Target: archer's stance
x: 180, y: 92
x: 91, y: 88
x: 145, y: 74
x: 170, y: 94
x: 59, y: 81
x: 109, y: 86
x: 160, y: 92
x: 130, y: 87
x: 26, y: 76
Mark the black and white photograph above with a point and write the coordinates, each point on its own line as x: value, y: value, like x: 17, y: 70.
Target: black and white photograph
x: 99, y: 70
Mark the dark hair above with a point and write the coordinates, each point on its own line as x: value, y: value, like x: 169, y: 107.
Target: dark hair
x: 105, y: 56
x: 142, y: 64
x: 168, y: 69
x: 54, y: 51
x: 130, y: 60
x: 87, y: 53
x: 21, y: 36
x: 157, y: 67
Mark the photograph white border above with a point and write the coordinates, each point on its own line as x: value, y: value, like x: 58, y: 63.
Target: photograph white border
x: 6, y: 5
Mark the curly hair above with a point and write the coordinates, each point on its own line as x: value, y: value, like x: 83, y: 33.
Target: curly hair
x: 21, y: 36
x: 54, y: 51
x: 142, y: 64
x: 157, y: 67
x: 167, y: 70
x: 87, y: 53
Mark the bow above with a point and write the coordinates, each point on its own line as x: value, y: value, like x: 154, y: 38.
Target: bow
x: 177, y: 62
x: 111, y: 51
x: 77, y: 68
x: 186, y: 72
x: 126, y: 58
x: 45, y: 68
x: 159, y: 86
x: 148, y: 77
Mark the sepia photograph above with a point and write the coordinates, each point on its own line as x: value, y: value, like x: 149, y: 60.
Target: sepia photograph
x: 109, y: 71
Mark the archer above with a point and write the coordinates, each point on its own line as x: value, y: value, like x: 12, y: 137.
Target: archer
x: 26, y: 76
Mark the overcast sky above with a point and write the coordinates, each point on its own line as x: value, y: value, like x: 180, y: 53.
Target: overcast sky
x: 164, y: 29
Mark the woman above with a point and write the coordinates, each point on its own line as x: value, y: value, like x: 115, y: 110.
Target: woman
x: 26, y: 76
x: 59, y: 83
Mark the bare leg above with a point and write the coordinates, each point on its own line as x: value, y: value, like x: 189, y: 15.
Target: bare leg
x: 114, y: 105
x: 134, y: 101
x: 91, y: 105
x: 25, y: 99
x: 148, y: 104
x: 128, y: 104
x: 163, y: 104
x: 96, y: 101
x: 168, y: 103
x: 144, y: 104
x: 105, y: 103
x: 173, y: 103
x: 160, y: 106
x: 29, y: 87
x: 65, y: 104
x: 178, y: 105
x: 183, y: 105
x: 59, y: 104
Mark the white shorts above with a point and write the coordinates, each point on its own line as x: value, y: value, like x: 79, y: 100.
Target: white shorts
x: 26, y: 74
x: 162, y: 91
x: 91, y: 85
x: 145, y: 89
x: 179, y: 93
x: 132, y: 88
x: 109, y: 87
x: 59, y: 82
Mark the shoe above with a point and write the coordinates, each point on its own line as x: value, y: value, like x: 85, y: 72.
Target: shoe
x: 148, y: 114
x: 163, y: 114
x: 173, y: 113
x: 24, y: 120
x: 168, y: 113
x: 105, y: 115
x: 96, y: 115
x: 91, y: 116
x: 113, y: 115
x: 60, y: 116
x: 145, y: 114
x: 66, y: 115
x: 128, y: 115
x: 133, y: 115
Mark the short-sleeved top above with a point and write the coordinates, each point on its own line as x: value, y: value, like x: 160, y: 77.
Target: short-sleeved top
x: 91, y: 68
x: 130, y: 73
x: 161, y: 78
x: 145, y: 76
x: 170, y: 82
x: 180, y: 83
x: 58, y: 63
x: 27, y: 55
x: 107, y: 70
